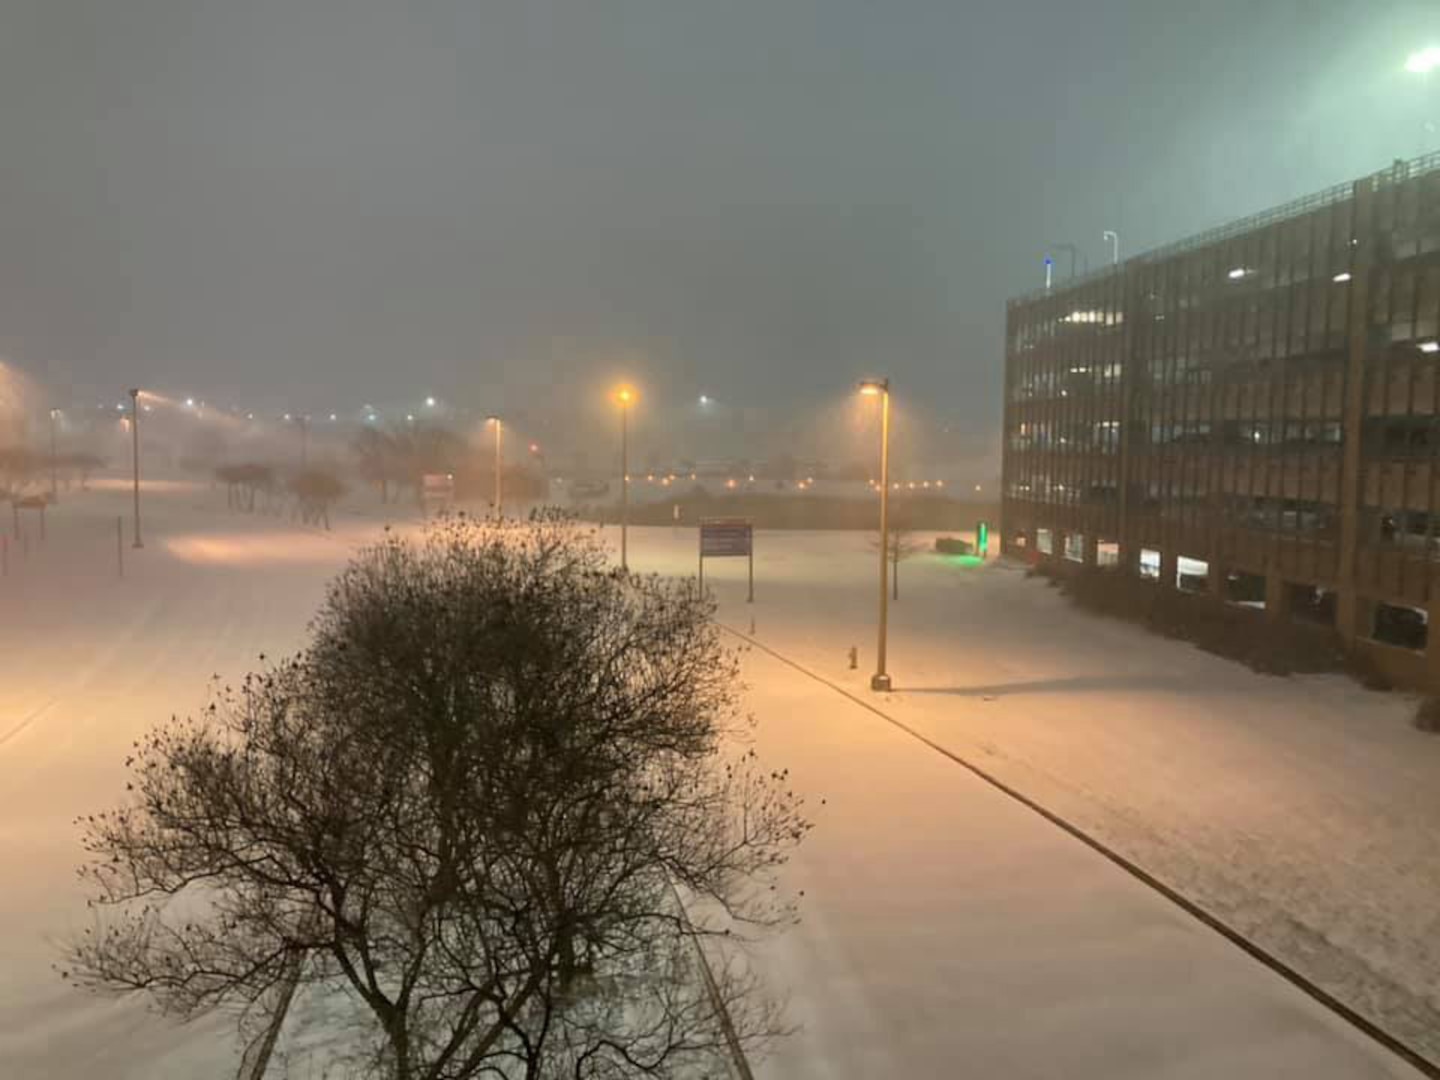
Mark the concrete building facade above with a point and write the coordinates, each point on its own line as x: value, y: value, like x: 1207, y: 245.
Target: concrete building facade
x: 1252, y: 413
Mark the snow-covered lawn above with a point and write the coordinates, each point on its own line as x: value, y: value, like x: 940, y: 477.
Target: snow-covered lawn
x: 940, y: 919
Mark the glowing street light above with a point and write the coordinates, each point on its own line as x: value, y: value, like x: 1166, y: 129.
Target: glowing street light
x: 881, y: 388
x: 135, y: 448
x: 1424, y: 62
x: 499, y: 429
x: 429, y: 402
x: 625, y: 397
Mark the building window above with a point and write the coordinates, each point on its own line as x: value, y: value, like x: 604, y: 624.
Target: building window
x: 1044, y: 542
x: 1403, y: 627
x: 1075, y: 547
x: 1192, y: 575
x: 1150, y: 564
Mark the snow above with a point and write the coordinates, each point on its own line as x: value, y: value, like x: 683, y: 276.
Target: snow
x: 1303, y: 812
x: 945, y: 928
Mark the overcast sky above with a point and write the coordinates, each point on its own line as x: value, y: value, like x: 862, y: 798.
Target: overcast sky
x: 343, y: 201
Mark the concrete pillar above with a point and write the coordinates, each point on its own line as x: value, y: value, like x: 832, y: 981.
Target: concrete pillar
x: 1169, y: 568
x: 1130, y: 559
x: 1092, y: 549
x: 1354, y: 615
x: 1432, y: 649
x: 1350, y: 619
x: 1275, y: 597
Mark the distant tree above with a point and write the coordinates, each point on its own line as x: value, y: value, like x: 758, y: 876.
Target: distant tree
x: 81, y: 464
x: 903, y: 545
x: 377, y: 455
x: 467, y: 807
x: 17, y: 467
x: 245, y: 483
x: 315, y: 491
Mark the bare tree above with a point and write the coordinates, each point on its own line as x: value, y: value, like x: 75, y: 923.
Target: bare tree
x: 244, y: 483
x: 315, y: 491
x: 903, y: 545
x: 377, y: 457
x: 467, y: 808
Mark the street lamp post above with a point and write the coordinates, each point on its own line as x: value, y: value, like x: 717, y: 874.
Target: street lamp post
x: 54, y: 487
x: 881, y: 388
x: 135, y: 457
x: 625, y: 397
x: 499, y: 426
x: 304, y: 441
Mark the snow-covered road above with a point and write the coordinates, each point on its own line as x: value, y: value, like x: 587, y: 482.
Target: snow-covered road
x: 940, y: 919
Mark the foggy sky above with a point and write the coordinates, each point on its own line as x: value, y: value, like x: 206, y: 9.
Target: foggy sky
x: 329, y: 202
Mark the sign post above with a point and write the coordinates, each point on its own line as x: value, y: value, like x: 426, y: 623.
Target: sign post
x: 722, y: 538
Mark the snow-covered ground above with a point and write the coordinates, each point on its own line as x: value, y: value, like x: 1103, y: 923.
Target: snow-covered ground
x: 946, y: 930
x: 1304, y: 812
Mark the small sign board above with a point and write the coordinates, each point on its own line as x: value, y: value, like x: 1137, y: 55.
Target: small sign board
x: 723, y: 538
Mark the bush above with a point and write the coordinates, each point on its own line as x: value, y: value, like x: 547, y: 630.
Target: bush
x: 1427, y: 715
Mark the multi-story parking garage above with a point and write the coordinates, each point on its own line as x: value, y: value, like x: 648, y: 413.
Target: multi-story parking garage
x: 1253, y: 412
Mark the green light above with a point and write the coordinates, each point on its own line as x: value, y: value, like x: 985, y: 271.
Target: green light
x: 968, y: 561
x: 982, y: 539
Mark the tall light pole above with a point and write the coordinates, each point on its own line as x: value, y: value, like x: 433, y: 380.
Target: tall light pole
x: 499, y: 428
x: 135, y: 457
x: 881, y: 388
x: 54, y: 487
x: 625, y: 397
x: 304, y: 422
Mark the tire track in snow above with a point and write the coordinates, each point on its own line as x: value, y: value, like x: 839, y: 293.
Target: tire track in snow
x: 1311, y: 989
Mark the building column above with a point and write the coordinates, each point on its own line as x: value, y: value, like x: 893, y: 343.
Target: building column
x: 1354, y: 615
x: 1432, y: 648
x: 1275, y: 596
x: 1215, y: 584
x: 1092, y: 549
x: 1169, y: 568
x: 1349, y: 616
